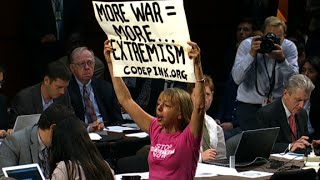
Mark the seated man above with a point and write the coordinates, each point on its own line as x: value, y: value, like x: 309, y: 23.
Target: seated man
x: 35, y: 99
x: 213, y: 143
x: 93, y: 100
x: 288, y: 114
x: 26, y: 146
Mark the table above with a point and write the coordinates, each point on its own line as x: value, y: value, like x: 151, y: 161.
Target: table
x: 264, y: 168
x: 288, y: 164
x: 117, y: 145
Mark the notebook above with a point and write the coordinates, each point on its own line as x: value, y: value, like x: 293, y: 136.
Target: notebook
x: 24, y: 172
x: 253, y: 148
x: 24, y: 121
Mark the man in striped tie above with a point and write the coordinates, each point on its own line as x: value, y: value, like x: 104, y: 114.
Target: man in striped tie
x: 93, y: 100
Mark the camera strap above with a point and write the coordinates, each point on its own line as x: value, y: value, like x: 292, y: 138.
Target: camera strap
x: 271, y: 79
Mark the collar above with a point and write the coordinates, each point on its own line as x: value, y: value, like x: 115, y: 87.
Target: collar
x: 88, y: 85
x: 41, y: 145
x: 288, y: 113
x: 80, y: 83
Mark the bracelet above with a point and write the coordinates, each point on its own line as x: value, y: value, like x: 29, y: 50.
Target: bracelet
x: 201, y: 80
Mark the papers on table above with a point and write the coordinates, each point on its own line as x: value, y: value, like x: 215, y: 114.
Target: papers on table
x: 118, y: 128
x: 132, y: 125
x: 289, y: 155
x: 138, y: 135
x: 253, y: 174
x: 95, y: 136
x: 209, y: 170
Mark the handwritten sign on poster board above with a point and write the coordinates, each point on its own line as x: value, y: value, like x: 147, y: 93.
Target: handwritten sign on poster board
x: 149, y: 38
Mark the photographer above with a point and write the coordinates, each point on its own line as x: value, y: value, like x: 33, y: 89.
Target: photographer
x: 262, y: 66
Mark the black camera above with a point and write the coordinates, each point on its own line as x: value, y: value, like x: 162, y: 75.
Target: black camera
x: 267, y: 43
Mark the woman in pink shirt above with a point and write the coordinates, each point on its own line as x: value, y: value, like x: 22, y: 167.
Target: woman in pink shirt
x: 176, y: 131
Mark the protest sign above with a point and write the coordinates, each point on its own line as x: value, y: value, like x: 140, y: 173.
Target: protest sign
x: 149, y: 38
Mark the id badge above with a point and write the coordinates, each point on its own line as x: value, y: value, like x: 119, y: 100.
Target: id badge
x: 267, y: 100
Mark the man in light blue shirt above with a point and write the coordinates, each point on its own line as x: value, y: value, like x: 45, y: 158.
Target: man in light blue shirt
x: 261, y: 68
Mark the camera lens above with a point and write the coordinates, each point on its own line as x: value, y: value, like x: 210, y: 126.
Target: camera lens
x: 266, y: 46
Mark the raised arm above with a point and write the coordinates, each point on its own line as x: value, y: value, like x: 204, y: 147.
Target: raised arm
x: 137, y: 114
x: 197, y: 117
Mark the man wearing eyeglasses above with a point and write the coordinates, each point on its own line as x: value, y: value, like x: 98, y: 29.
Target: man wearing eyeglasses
x: 93, y: 100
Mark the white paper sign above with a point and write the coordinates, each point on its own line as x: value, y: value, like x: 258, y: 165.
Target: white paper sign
x: 149, y: 38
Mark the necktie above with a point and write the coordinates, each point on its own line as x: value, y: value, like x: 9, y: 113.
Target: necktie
x: 89, y: 110
x: 293, y: 127
x: 45, y: 162
x: 205, y: 139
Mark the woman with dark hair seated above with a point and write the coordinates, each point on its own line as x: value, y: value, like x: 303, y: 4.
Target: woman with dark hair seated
x: 73, y: 154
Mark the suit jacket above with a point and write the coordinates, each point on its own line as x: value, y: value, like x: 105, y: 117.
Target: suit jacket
x: 274, y: 115
x: 105, y: 97
x: 29, y: 101
x: 20, y: 148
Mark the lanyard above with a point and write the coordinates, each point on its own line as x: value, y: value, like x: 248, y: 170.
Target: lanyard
x: 271, y: 79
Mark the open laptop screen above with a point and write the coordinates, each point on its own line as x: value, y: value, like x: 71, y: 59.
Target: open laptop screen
x: 256, y: 143
x: 24, y: 172
x: 254, y: 147
x: 24, y: 121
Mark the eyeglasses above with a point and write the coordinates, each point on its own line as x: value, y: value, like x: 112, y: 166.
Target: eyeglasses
x: 83, y: 64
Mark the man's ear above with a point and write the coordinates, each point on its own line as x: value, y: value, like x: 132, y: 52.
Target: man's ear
x: 285, y: 93
x: 46, y: 80
x: 53, y: 126
x: 71, y: 67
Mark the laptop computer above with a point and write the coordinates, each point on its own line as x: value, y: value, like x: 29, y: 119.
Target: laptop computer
x: 24, y: 121
x: 253, y: 148
x: 25, y: 172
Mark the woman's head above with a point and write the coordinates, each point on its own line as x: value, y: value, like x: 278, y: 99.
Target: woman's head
x: 69, y: 137
x: 174, y: 108
x: 72, y: 144
x: 311, y: 68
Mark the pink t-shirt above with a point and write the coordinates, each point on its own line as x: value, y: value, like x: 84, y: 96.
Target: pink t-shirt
x: 172, y: 156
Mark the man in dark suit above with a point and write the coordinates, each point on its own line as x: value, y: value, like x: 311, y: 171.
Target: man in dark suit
x: 292, y: 135
x: 35, y: 99
x: 293, y: 131
x: 25, y: 146
x: 101, y: 94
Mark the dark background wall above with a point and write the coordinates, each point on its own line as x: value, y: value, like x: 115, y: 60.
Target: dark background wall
x: 211, y: 24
